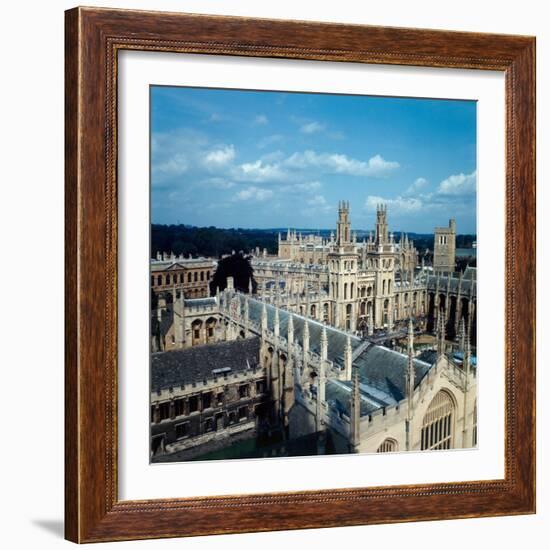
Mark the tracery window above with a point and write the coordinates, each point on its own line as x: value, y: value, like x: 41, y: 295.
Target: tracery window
x: 387, y: 446
x: 437, y: 427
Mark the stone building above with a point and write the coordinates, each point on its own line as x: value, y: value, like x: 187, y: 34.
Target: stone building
x: 444, y: 248
x: 309, y: 378
x: 206, y: 397
x: 192, y: 275
x: 320, y: 347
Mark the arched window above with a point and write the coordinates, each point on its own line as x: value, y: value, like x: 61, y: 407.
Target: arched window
x: 345, y: 291
x: 384, y: 286
x: 387, y: 446
x: 437, y: 427
x: 181, y: 277
x: 159, y: 280
x: 351, y: 291
x: 167, y: 279
x: 189, y: 277
x: 362, y: 308
x: 202, y: 275
x: 195, y: 276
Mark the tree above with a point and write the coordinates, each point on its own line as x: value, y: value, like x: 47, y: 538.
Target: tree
x: 236, y: 266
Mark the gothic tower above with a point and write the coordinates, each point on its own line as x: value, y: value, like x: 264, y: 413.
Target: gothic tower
x: 383, y: 255
x: 343, y: 263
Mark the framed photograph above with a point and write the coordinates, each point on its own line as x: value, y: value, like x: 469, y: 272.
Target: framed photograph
x: 300, y: 275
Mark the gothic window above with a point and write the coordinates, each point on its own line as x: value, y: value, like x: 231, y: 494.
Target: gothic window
x: 182, y: 430
x: 178, y: 407
x: 206, y: 400
x: 387, y: 446
x: 193, y: 404
x: 351, y: 291
x: 389, y: 287
x: 209, y: 425
x: 437, y: 427
x: 164, y: 411
x: 384, y: 286
x: 345, y: 291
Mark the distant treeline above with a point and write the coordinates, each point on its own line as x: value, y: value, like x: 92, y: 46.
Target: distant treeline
x: 215, y: 242
x: 209, y: 241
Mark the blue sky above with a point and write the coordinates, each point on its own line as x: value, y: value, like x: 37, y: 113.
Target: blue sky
x: 233, y: 158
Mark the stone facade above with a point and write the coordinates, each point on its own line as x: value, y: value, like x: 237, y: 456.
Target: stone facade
x: 444, y: 248
x: 304, y: 378
x: 320, y: 370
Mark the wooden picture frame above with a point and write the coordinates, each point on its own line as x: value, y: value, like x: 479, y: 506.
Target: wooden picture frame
x: 93, y: 511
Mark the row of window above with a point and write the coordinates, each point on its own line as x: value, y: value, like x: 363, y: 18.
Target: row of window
x: 206, y: 399
x: 174, y: 278
x: 183, y: 429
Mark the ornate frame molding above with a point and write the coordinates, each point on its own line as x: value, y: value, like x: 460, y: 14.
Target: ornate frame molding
x: 93, y: 39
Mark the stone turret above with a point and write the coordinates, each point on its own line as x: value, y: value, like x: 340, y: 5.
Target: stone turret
x: 347, y: 358
x: 355, y: 413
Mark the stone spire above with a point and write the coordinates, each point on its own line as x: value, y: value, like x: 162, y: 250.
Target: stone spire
x: 324, y: 345
x: 276, y: 324
x: 347, y: 358
x: 290, y: 331
x: 440, y: 333
x: 264, y: 319
x: 306, y: 341
x: 354, y: 413
x: 370, y: 324
x: 410, y: 364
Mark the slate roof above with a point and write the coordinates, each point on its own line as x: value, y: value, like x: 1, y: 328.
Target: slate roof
x: 382, y: 375
x: 381, y: 370
x: 193, y: 365
x: 467, y: 283
x: 336, y: 338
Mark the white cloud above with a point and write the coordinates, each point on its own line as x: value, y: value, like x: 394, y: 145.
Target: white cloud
x: 399, y: 204
x: 308, y: 186
x: 259, y: 171
x: 269, y: 140
x: 253, y: 193
x: 261, y: 120
x: 458, y: 184
x: 221, y: 156
x: 219, y: 183
x: 376, y: 166
x: 419, y: 183
x: 174, y: 166
x: 311, y: 127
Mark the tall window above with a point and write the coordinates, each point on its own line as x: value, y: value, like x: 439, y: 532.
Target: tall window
x: 437, y: 428
x: 387, y: 446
